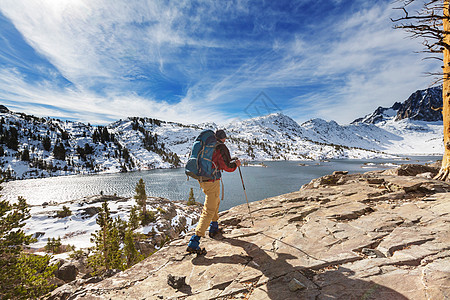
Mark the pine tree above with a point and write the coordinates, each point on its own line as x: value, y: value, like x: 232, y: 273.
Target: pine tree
x: 115, y: 249
x: 88, y: 149
x: 122, y: 227
x: 107, y: 253
x: 12, y: 139
x: 105, y: 135
x: 59, y: 152
x: 25, y: 155
x: 65, y: 212
x: 191, y: 200
x: 46, y: 143
x: 141, y: 200
x: 131, y: 253
x: 133, y: 221
x: 21, y: 275
x: 81, y: 153
x: 126, y: 155
x: 53, y: 245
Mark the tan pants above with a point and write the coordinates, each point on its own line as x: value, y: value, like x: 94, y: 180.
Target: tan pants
x: 210, y: 211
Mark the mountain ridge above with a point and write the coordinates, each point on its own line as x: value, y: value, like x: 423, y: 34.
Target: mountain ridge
x: 33, y: 147
x: 417, y: 107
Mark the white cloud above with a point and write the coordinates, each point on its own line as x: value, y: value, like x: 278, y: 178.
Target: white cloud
x: 358, y: 62
x: 44, y: 100
x: 96, y: 39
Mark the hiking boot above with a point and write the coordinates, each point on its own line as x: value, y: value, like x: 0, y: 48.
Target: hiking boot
x: 214, y: 230
x: 198, y: 251
x: 193, y: 246
x: 218, y: 233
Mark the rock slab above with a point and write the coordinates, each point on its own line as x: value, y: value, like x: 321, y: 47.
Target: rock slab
x: 339, y: 237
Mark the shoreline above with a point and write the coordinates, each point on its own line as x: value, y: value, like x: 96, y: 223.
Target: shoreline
x: 250, y: 163
x: 172, y: 183
x: 124, y: 202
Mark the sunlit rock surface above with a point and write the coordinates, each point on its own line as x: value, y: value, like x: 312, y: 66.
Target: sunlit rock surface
x: 359, y: 236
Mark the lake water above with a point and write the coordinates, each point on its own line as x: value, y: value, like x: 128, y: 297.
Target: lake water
x: 279, y: 177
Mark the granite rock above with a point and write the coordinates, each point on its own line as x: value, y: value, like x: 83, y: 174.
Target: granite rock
x: 383, y: 238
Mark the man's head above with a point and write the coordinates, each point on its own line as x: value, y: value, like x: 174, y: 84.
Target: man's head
x: 221, y: 135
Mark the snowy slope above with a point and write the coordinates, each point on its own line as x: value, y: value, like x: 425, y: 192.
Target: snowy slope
x: 413, y: 137
x: 395, y: 137
x: 277, y: 136
x: 415, y: 127
x: 76, y: 229
x: 144, y: 143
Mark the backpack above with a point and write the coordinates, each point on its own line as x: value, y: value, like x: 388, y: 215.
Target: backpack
x: 200, y: 165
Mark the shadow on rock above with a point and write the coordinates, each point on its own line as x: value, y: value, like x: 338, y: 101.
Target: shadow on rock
x: 281, y: 280
x: 338, y: 284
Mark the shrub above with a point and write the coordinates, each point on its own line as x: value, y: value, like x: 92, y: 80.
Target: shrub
x: 77, y: 254
x: 147, y: 218
x: 65, y: 212
x: 54, y: 245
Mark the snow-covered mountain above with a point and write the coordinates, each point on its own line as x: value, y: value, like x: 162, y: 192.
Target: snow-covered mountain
x: 417, y: 107
x: 278, y: 137
x: 414, y: 126
x: 32, y: 147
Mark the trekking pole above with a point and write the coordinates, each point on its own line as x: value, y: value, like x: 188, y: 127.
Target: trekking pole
x: 248, y: 205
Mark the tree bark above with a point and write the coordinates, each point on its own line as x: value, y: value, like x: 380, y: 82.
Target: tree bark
x: 444, y: 173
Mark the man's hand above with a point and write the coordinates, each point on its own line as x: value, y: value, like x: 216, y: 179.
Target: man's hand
x: 236, y: 161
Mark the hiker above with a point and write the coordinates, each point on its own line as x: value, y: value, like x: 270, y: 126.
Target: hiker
x: 210, y: 213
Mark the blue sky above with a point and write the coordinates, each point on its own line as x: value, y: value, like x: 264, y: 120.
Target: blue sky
x: 197, y: 61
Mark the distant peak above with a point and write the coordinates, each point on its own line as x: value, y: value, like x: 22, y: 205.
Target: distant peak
x: 416, y: 107
x: 3, y: 109
x: 275, y: 116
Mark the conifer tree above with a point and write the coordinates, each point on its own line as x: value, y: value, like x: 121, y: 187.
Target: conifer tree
x: 46, y: 143
x: 53, y: 245
x: 21, y: 275
x: 88, y: 149
x: 131, y: 253
x: 133, y: 221
x: 25, y: 156
x: 107, y: 253
x: 59, y: 152
x: 141, y: 200
x: 191, y: 200
x: 122, y: 227
x: 11, y: 138
x: 115, y: 250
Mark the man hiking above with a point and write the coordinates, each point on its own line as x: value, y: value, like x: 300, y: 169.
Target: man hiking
x: 221, y: 160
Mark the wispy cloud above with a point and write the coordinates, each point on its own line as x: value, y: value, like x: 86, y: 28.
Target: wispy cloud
x: 45, y: 99
x: 192, y: 61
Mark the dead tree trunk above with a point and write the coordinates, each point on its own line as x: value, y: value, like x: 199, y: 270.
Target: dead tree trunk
x: 444, y: 173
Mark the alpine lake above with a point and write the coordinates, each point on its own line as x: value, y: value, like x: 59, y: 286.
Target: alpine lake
x: 262, y: 180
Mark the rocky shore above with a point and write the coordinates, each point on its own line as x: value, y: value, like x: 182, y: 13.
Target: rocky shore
x: 377, y: 235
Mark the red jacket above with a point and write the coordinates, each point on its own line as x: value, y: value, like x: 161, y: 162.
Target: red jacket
x: 222, y: 158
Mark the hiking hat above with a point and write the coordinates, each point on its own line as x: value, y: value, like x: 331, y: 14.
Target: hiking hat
x: 220, y: 134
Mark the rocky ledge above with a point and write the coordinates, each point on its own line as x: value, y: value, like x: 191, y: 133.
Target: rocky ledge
x: 359, y: 236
